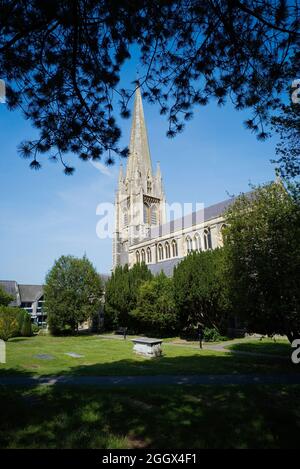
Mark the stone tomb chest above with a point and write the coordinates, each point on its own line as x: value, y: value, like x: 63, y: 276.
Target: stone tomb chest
x: 147, y: 347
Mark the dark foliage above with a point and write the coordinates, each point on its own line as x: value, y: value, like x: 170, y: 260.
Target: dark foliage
x: 262, y: 246
x: 62, y: 62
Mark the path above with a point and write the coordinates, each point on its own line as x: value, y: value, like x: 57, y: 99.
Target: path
x: 220, y: 347
x: 157, y: 380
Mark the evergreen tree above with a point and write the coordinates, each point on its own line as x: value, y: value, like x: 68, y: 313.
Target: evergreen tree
x: 262, y: 246
x: 155, y: 313
x: 73, y: 292
x: 201, y: 292
x: 121, y: 294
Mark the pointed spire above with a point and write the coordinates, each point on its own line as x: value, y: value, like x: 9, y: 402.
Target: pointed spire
x: 139, y: 153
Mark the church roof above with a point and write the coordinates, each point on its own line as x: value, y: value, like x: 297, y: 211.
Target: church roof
x: 164, y: 266
x: 188, y: 221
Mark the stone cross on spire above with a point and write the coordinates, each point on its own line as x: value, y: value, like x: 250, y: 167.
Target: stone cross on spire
x: 139, y: 153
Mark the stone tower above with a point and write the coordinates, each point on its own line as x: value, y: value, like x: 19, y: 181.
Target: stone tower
x: 140, y: 199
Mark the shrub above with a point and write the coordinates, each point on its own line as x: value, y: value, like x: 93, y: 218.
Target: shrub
x: 26, y: 329
x: 9, y: 322
x: 35, y: 328
x: 212, y: 335
x: 24, y: 323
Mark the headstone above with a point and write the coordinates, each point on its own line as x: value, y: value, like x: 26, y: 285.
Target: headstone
x: 44, y: 356
x: 74, y: 355
x: 147, y: 347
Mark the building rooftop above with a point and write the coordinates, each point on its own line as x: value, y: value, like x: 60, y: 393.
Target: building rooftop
x: 30, y: 293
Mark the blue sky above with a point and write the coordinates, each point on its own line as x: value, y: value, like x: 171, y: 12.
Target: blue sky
x: 46, y: 214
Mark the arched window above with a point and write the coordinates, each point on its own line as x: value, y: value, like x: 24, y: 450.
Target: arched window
x: 160, y: 252
x: 174, y: 248
x: 207, y: 239
x: 138, y: 257
x: 167, y: 250
x: 197, y: 242
x: 146, y: 213
x: 189, y: 244
x: 149, y: 255
x: 153, y: 214
x: 149, y: 186
x: 143, y: 255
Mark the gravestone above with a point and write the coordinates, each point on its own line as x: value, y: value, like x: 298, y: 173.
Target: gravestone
x: 44, y: 356
x: 74, y: 355
x: 147, y: 347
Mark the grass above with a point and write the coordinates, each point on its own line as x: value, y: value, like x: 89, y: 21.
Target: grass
x: 145, y: 417
x: 104, y: 357
x: 268, y: 346
x: 165, y: 417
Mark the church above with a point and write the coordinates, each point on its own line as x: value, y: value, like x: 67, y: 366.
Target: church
x: 143, y: 231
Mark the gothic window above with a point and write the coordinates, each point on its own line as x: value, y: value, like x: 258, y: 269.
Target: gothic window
x: 207, y: 239
x: 143, y: 255
x: 189, y: 244
x: 146, y: 213
x: 149, y: 255
x: 167, y: 250
x: 160, y: 252
x: 153, y: 215
x: 149, y: 186
x: 174, y: 248
x: 197, y: 242
x: 138, y: 258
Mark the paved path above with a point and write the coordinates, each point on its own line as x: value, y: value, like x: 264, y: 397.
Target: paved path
x: 157, y: 380
x: 221, y: 347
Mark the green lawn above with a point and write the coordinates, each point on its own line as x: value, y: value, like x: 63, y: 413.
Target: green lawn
x: 165, y: 417
x: 154, y: 417
x: 268, y: 346
x: 115, y: 357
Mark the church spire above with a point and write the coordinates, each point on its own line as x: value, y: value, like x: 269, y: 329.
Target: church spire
x: 139, y: 153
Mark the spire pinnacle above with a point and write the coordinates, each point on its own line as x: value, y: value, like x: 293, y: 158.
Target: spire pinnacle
x: 139, y: 153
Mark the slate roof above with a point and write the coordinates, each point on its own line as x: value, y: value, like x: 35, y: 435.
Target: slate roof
x: 11, y: 287
x: 188, y: 221
x: 165, y: 266
x: 30, y: 293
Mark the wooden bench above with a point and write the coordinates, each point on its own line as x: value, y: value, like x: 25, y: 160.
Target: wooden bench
x: 121, y: 331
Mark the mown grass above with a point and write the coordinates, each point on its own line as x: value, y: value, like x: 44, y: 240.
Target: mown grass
x: 157, y: 417
x: 106, y: 357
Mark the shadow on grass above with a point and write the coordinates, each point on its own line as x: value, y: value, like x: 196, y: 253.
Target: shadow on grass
x: 271, y: 348
x: 206, y: 362
x: 161, y: 417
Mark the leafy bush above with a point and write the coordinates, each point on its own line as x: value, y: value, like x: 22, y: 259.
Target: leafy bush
x: 24, y: 323
x: 212, y: 335
x: 5, y: 298
x: 10, y: 322
x: 35, y: 328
